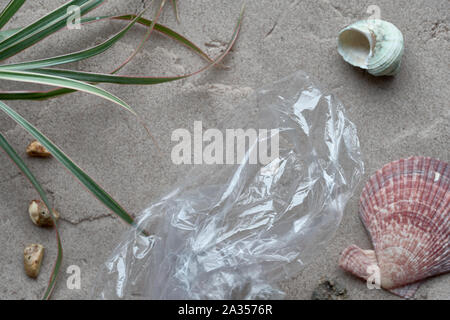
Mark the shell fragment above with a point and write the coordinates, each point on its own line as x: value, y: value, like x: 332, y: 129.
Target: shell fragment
x: 40, y: 215
x: 32, y: 257
x: 36, y: 149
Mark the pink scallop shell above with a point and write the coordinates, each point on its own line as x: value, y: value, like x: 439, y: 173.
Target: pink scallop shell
x: 405, y: 207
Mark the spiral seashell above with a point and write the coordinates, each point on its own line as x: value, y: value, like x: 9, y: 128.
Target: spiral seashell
x: 405, y: 207
x: 374, y: 45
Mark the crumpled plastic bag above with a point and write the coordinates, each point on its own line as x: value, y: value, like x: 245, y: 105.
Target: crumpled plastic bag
x: 235, y: 231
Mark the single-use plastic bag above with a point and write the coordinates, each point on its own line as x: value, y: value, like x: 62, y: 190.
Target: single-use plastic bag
x: 234, y: 231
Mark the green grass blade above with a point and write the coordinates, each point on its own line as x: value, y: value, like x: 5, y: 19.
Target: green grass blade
x: 9, y: 11
x: 41, y: 23
x: 34, y: 95
x: 42, y: 28
x: 175, y: 10
x: 56, y: 81
x: 26, y: 171
x: 104, y: 77
x: 168, y: 32
x: 129, y: 80
x: 73, y: 57
x: 56, y: 268
x: 87, y: 181
x: 39, y: 95
x: 7, y: 33
x: 84, y: 54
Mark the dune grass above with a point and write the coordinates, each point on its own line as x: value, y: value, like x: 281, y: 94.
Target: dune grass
x: 64, y: 81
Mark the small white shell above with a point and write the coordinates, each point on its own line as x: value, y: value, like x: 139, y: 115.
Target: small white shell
x: 374, y: 45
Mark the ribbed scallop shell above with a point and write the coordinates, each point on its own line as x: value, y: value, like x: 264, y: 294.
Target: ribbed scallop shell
x: 405, y: 208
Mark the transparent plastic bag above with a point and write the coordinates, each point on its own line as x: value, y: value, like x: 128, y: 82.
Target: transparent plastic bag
x: 235, y: 231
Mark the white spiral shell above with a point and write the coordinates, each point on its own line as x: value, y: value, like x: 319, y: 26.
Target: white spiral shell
x: 374, y: 45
